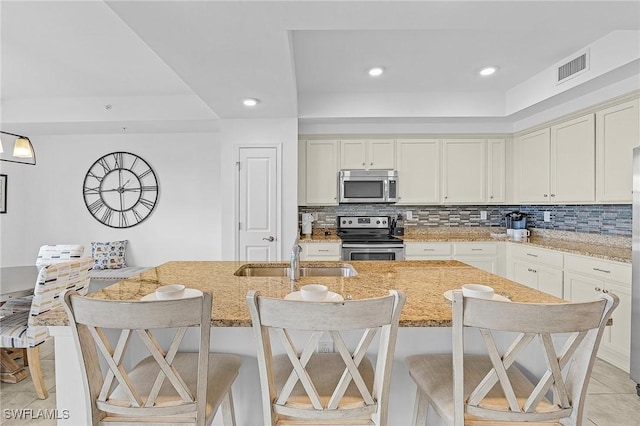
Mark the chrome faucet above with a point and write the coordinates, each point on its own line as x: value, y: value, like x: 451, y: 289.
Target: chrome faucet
x: 294, y: 270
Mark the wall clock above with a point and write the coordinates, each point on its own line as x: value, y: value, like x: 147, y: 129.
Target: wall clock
x: 120, y: 190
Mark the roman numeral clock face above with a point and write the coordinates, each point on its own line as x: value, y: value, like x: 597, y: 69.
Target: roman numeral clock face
x: 120, y: 190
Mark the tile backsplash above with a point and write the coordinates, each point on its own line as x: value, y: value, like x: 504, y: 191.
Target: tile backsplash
x: 603, y: 219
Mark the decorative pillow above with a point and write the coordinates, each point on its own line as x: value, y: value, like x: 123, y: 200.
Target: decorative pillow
x: 109, y: 255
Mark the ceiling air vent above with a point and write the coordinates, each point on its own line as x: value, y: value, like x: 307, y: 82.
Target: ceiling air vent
x: 574, y: 67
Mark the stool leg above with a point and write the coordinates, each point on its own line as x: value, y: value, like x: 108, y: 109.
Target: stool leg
x: 33, y: 357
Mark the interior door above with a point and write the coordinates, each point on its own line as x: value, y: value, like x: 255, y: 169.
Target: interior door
x: 258, y: 230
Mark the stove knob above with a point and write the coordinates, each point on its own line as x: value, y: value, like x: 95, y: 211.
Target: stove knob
x: 350, y: 222
x: 377, y: 222
x: 344, y: 221
x: 384, y: 222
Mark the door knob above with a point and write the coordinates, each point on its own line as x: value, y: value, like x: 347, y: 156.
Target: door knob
x: 270, y: 239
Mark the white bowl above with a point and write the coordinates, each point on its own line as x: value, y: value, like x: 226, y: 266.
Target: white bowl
x: 478, y: 291
x: 314, y: 292
x: 171, y: 291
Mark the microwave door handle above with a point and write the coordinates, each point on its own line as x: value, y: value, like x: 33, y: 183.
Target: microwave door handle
x: 385, y: 196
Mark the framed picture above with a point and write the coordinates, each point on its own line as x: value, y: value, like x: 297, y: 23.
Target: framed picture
x: 3, y: 193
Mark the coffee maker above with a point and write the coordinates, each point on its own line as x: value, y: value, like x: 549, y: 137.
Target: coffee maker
x: 515, y: 220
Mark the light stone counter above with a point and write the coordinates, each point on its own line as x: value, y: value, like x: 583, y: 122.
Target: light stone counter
x: 423, y: 281
x: 604, y: 247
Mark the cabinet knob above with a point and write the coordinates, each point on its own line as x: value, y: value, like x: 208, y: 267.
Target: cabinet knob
x: 545, y: 195
x: 445, y: 197
x: 553, y: 195
x: 371, y: 164
x: 364, y: 164
x: 605, y: 291
x: 598, y: 289
x: 491, y: 196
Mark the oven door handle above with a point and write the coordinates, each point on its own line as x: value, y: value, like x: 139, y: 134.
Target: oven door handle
x: 372, y: 246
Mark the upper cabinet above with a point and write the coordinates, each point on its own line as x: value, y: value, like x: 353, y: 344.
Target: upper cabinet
x: 322, y: 165
x: 418, y: 171
x: 557, y: 164
x: 496, y: 171
x: 616, y: 135
x: 463, y: 170
x: 368, y: 154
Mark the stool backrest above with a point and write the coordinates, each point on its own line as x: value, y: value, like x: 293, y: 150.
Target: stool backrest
x: 567, y: 336
x: 49, y: 254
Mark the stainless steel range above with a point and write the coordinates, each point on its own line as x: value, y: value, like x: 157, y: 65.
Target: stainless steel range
x: 368, y: 238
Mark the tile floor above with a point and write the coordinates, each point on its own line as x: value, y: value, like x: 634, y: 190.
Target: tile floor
x: 612, y: 399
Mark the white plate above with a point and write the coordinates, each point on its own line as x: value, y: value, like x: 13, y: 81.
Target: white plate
x: 188, y: 293
x: 449, y: 296
x: 331, y: 297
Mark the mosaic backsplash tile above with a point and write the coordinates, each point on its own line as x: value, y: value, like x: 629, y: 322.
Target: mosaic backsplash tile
x: 603, y: 219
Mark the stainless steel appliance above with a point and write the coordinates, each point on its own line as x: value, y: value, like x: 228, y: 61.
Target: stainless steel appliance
x: 635, y: 277
x: 368, y: 238
x: 368, y: 186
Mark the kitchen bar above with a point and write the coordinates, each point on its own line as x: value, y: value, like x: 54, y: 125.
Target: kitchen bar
x: 425, y: 320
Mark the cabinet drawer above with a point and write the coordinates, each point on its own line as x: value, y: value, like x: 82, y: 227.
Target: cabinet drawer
x: 604, y: 269
x: 427, y: 249
x: 475, y: 248
x: 322, y: 249
x: 538, y: 255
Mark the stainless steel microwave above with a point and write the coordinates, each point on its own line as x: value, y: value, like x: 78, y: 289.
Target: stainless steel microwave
x: 368, y: 186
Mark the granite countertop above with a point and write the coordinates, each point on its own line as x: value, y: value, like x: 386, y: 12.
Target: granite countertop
x: 604, y: 247
x: 424, y: 283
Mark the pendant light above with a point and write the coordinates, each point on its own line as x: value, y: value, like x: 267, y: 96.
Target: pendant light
x: 23, y: 152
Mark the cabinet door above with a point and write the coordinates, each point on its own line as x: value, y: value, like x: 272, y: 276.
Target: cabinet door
x: 496, y: 170
x: 550, y: 280
x: 580, y: 288
x: 302, y: 173
x: 353, y: 154
x: 463, y: 170
x: 620, y: 332
x: 532, y: 166
x: 381, y: 154
x: 617, y: 133
x: 524, y: 273
x: 418, y: 171
x: 427, y: 251
x: 322, y: 172
x: 573, y: 160
x: 489, y: 264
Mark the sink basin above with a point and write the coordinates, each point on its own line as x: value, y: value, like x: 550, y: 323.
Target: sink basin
x: 252, y: 270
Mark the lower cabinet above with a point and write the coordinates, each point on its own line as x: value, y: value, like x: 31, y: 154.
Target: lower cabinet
x: 536, y: 268
x: 427, y: 251
x: 482, y: 255
x: 320, y: 251
x: 586, y: 277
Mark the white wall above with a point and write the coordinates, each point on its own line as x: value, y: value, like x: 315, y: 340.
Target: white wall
x: 281, y: 132
x: 45, y: 204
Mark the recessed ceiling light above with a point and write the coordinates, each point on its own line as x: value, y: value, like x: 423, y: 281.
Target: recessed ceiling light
x: 250, y: 102
x: 376, y: 71
x: 488, y: 71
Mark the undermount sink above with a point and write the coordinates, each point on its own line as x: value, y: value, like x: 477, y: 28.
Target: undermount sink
x: 254, y: 270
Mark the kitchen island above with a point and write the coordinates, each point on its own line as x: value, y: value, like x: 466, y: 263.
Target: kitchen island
x: 425, y: 321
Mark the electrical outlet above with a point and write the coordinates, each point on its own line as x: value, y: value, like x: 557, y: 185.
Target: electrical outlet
x: 408, y: 215
x: 325, y: 347
x: 483, y: 215
x: 547, y: 216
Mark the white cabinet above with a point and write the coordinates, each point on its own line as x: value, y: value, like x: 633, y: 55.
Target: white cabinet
x: 496, y: 171
x: 367, y: 154
x: 585, y: 278
x: 617, y: 133
x: 418, y: 164
x: 463, y: 170
x: 427, y: 251
x: 573, y: 161
x: 482, y: 255
x: 557, y: 164
x: 536, y: 268
x: 532, y: 165
x: 321, y: 165
x: 320, y: 251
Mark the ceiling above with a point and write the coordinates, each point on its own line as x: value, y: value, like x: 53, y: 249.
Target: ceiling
x: 96, y: 66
